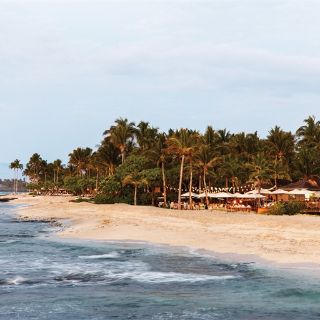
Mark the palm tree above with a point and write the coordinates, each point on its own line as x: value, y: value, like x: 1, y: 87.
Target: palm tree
x: 206, y: 159
x: 137, y: 181
x: 57, y: 168
x: 307, y: 161
x: 16, y: 166
x: 309, y: 134
x: 230, y: 169
x: 80, y: 159
x: 182, y: 144
x: 33, y: 167
x: 121, y: 135
x: 261, y: 170
x: 146, y: 135
x: 158, y: 155
x: 281, y: 144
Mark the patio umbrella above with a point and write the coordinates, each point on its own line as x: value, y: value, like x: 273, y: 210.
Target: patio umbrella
x: 262, y: 191
x: 252, y: 196
x: 221, y: 195
x: 237, y: 195
x: 280, y: 191
x: 301, y: 191
x: 187, y: 194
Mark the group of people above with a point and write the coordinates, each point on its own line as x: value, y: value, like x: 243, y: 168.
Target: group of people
x: 185, y: 205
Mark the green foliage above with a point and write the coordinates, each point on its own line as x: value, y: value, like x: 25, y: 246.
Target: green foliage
x: 145, y: 199
x: 110, y: 186
x: 152, y: 176
x: 80, y: 199
x: 287, y: 208
x: 103, y: 199
x: 79, y: 185
x: 133, y: 165
x: 127, y: 162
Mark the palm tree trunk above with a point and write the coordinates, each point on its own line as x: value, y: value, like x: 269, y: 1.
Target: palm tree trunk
x: 123, y: 154
x: 97, y: 180
x: 17, y: 180
x: 135, y: 194
x: 190, y: 185
x: 122, y: 157
x: 164, y: 184
x: 227, y: 183
x: 205, y: 187
x: 180, y: 182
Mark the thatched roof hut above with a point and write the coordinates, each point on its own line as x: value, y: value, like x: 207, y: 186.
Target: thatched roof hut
x: 311, y: 183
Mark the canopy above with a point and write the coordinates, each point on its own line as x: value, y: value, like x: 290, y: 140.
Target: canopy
x: 262, y: 191
x: 221, y: 195
x: 237, y: 195
x: 301, y: 191
x: 280, y: 191
x: 187, y: 195
x: 252, y: 196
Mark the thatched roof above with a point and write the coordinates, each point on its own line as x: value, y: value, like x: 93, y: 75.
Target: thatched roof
x: 310, y: 183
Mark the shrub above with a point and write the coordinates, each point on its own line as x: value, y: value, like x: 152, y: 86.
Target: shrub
x: 287, y: 208
x: 78, y: 200
x: 103, y: 199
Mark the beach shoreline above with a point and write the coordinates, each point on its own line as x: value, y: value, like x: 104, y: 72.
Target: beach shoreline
x: 291, y: 242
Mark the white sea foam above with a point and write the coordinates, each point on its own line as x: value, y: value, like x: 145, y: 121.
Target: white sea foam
x: 8, y: 241
x: 167, y: 277
x: 111, y: 255
x: 15, y: 281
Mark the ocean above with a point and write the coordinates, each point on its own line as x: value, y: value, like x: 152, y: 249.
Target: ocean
x: 43, y: 277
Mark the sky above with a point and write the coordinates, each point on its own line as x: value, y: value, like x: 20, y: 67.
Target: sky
x: 69, y: 68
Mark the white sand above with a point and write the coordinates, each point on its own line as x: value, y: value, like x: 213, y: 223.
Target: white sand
x: 280, y: 239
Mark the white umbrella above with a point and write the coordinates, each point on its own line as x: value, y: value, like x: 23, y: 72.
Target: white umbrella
x: 252, y: 196
x: 262, y: 191
x: 209, y: 194
x: 301, y: 191
x: 280, y: 191
x: 187, y: 194
x: 221, y: 195
x: 237, y: 195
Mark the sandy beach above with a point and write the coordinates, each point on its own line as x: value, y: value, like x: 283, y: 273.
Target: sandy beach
x: 278, y: 239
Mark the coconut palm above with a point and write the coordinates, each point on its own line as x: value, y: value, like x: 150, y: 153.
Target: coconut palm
x: 206, y: 158
x: 158, y: 155
x: 80, y: 159
x: 16, y: 166
x: 281, y: 144
x: 137, y: 181
x: 182, y: 144
x: 309, y: 134
x: 230, y: 169
x: 57, y: 168
x: 121, y: 135
x: 145, y: 135
x: 307, y: 161
x: 33, y: 168
x: 108, y: 156
x: 260, y: 170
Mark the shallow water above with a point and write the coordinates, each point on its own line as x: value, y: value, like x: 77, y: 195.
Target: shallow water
x: 45, y: 278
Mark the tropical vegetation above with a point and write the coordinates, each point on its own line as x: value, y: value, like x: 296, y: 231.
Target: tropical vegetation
x: 137, y: 163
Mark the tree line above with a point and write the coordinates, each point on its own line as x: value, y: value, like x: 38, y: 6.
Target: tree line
x: 138, y: 163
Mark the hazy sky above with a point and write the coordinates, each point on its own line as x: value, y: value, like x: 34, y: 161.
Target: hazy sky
x: 68, y: 68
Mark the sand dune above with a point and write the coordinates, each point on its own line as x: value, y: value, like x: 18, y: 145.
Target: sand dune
x: 280, y: 239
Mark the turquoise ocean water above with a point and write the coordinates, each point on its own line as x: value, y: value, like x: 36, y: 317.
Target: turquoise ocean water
x: 45, y: 278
